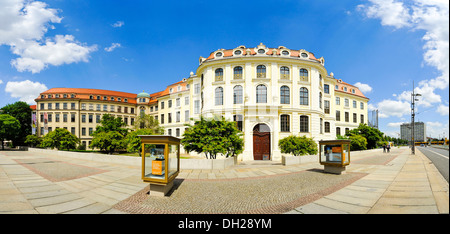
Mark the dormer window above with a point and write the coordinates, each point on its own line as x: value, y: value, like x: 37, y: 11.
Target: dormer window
x: 261, y: 51
x: 237, y: 52
x: 285, y: 52
x: 219, y: 54
x: 112, y: 98
x: 304, y: 55
x: 119, y: 99
x: 42, y: 96
x: 72, y: 95
x: 345, y: 89
x: 125, y: 100
x: 170, y: 90
x: 49, y: 96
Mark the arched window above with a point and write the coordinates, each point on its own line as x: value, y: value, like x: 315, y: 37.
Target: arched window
x: 237, y: 72
x: 237, y: 94
x: 261, y: 71
x: 261, y: 94
x: 219, y: 74
x: 303, y: 74
x: 304, y: 123
x: 284, y: 121
x: 284, y: 95
x: 219, y: 96
x: 284, y: 73
x: 303, y: 96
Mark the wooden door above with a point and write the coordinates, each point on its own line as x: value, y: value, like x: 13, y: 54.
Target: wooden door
x: 261, y: 145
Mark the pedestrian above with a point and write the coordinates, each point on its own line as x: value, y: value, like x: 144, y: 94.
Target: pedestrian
x: 388, y: 148
x: 384, y: 148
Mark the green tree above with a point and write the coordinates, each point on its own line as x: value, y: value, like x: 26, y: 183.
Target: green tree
x: 110, y: 135
x: 33, y: 140
x: 298, y: 145
x: 372, y: 135
x: 108, y: 141
x: 61, y: 139
x: 9, y: 127
x: 109, y: 123
x: 212, y: 137
x: 133, y: 141
x: 22, y: 112
x: 144, y: 121
x: 358, y: 142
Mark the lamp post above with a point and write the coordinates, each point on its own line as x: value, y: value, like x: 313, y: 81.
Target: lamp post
x: 413, y: 99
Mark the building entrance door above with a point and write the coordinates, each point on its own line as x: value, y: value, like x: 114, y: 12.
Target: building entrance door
x: 261, y: 142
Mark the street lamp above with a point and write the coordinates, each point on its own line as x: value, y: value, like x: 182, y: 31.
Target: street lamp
x: 413, y: 99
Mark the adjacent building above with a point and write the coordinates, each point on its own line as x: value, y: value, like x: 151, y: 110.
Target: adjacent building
x: 420, y: 131
x: 270, y: 93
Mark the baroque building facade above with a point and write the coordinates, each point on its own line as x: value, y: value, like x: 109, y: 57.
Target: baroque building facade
x: 270, y: 93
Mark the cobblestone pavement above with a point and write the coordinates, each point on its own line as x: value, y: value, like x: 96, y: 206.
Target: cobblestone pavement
x: 374, y: 183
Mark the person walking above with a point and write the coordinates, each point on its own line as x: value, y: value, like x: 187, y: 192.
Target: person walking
x: 384, y: 148
x: 388, y: 147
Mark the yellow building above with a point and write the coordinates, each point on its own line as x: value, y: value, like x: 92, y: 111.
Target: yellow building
x: 270, y: 93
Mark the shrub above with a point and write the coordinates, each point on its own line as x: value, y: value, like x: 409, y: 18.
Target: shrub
x: 298, y: 145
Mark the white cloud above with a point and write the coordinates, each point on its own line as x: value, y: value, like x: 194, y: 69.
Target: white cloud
x: 431, y: 16
x: 1, y: 81
x: 387, y: 108
x: 365, y: 88
x: 390, y: 12
x: 442, y: 109
x: 118, y: 24
x: 112, y: 47
x: 23, y: 28
x: 26, y: 90
x: 397, y: 124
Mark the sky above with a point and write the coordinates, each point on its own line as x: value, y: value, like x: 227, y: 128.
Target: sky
x: 382, y: 46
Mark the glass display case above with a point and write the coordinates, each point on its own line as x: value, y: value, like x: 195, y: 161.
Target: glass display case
x: 334, y: 154
x: 160, y: 158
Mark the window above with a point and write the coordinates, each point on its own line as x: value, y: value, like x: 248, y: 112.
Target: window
x: 338, y: 131
x: 284, y: 95
x: 361, y: 105
x: 83, y: 118
x: 83, y: 131
x: 284, y: 120
x: 326, y: 88
x: 49, y: 106
x: 261, y: 71
x: 261, y: 94
x: 303, y: 74
x: 304, y: 123
x: 219, y: 74
x: 169, y: 104
x: 97, y: 118
x: 178, y: 116
x: 338, y: 115
x: 57, y: 117
x: 196, y: 89
x: 321, y: 126
x: 346, y: 102
x: 64, y: 106
x: 320, y: 100
x: 64, y: 117
x: 237, y: 94
x: 72, y: 130
x: 91, y: 118
x: 90, y: 131
x: 111, y: 108
x: 354, y: 118
x: 362, y: 118
x: 237, y: 52
x: 186, y: 116
x: 284, y: 72
x: 354, y: 104
x: 239, y: 121
x: 237, y: 72
x: 162, y: 118
x: 338, y: 101
x: 196, y: 106
x: 261, y: 51
x: 327, y: 127
x: 347, y: 117
x: 49, y: 116
x: 98, y: 97
x: 57, y: 106
x: 177, y: 132
x: 169, y: 118
x: 186, y: 100
x: 83, y: 106
x: 327, y: 106
x: 72, y: 118
x: 219, y: 96
x: 72, y: 106
x: 285, y: 52
x: 303, y: 96
x: 178, y: 102
x: 105, y: 107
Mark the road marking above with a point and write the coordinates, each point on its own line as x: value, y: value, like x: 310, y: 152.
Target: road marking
x: 446, y: 157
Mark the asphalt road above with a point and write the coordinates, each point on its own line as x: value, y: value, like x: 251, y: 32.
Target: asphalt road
x: 439, y: 157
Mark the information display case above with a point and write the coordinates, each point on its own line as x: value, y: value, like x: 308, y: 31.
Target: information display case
x: 160, y: 160
x: 334, y: 155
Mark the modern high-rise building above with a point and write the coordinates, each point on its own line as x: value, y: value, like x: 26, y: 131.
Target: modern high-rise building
x: 270, y: 93
x: 420, y: 131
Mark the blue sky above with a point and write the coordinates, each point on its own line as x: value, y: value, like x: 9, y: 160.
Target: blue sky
x: 380, y: 45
